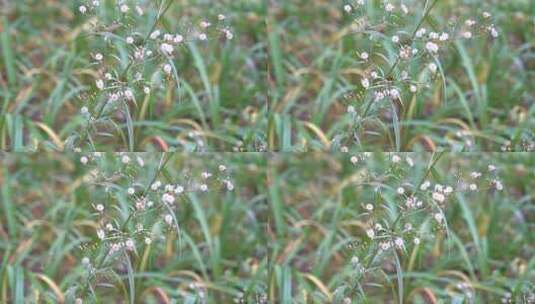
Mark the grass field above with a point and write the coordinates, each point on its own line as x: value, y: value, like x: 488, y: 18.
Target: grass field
x: 290, y: 229
x: 213, y: 101
x: 480, y: 99
x: 267, y: 151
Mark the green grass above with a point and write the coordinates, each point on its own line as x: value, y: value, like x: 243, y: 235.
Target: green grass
x: 484, y: 88
x: 296, y: 228
x: 45, y: 74
x: 287, y: 234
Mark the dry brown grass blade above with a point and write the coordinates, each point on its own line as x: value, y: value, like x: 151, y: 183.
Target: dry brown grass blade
x: 55, y: 288
x: 162, y: 296
x: 324, y: 289
x: 55, y: 137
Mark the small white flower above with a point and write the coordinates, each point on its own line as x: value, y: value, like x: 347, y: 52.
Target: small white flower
x: 179, y: 189
x: 82, y: 9
x: 148, y: 241
x: 467, y: 35
x: 364, y: 55
x: 416, y: 241
x: 124, y: 8
x: 168, y: 198
x: 348, y: 8
x: 129, y: 244
x: 99, y: 207
x: 389, y: 7
x: 129, y: 94
x: 400, y: 190
x: 404, y: 9
x: 85, y: 261
x: 100, y: 84
x: 178, y: 38
x: 129, y: 40
x: 354, y: 160
x: 420, y: 32
x: 439, y: 217
x: 395, y: 38
x: 202, y: 36
x: 221, y: 17
x: 140, y: 161
x: 413, y: 88
x: 439, y: 197
x: 396, y: 159
x: 155, y: 34
x: 168, y: 219
x: 131, y: 191
x: 84, y: 160
x: 473, y: 187
x: 351, y: 109
x: 84, y: 110
x: 394, y: 93
x: 494, y: 32
x: 432, y: 67
x: 425, y: 185
x: 125, y: 159
x: 370, y: 233
x: 384, y: 245
x: 139, y: 10
x: 475, y: 174
x: 365, y: 83
x: 167, y: 37
x: 99, y: 57
x: 203, y: 187
x: 101, y: 234
x: 409, y: 161
x: 167, y: 68
x: 399, y: 242
x: 167, y: 49
x: 470, y: 22
x: 431, y: 47
x: 444, y: 37
x: 486, y: 15
x: 369, y: 207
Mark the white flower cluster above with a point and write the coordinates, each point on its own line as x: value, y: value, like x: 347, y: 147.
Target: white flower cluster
x: 389, y: 78
x: 131, y: 208
x: 150, y: 62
